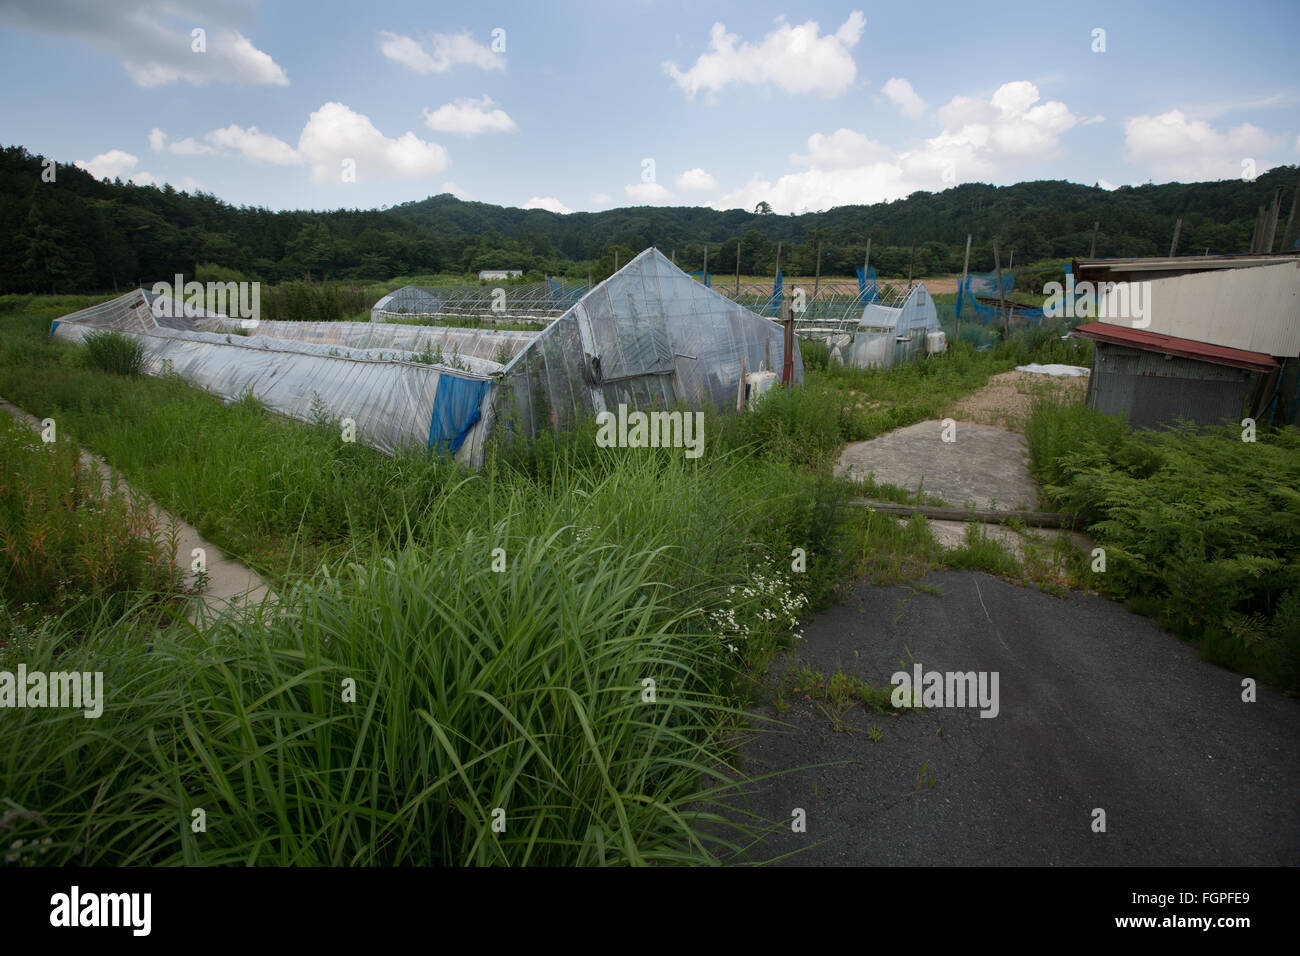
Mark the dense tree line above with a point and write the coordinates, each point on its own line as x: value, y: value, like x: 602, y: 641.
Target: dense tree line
x: 78, y: 234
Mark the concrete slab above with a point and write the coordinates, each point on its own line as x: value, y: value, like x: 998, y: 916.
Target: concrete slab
x: 229, y: 583
x: 983, y: 467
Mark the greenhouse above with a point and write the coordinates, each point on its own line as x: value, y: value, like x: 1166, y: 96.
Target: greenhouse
x: 889, y: 333
x: 510, y: 302
x: 649, y: 336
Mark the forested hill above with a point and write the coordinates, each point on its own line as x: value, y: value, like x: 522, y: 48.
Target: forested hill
x: 78, y: 234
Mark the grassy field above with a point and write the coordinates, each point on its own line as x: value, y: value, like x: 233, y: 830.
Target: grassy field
x: 531, y: 663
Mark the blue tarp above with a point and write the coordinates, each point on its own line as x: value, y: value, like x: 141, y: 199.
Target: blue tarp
x: 455, y: 410
x: 776, y: 296
x: 866, y: 286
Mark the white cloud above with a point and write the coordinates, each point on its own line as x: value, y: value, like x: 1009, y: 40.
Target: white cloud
x: 549, y: 203
x: 469, y: 117
x: 1174, y: 147
x: 159, y: 142
x: 979, y: 140
x: 696, y: 180
x: 647, y: 194
x: 114, y: 164
x: 335, y: 133
x: 899, y: 92
x: 253, y: 144
x: 1107, y: 185
x: 600, y: 199
x: 154, y: 54
x: 797, y: 59
x: 444, y: 52
x: 450, y: 187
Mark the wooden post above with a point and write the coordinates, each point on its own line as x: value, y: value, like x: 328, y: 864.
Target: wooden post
x: 787, y: 366
x: 616, y: 260
x: 965, y: 263
x: 1274, y: 215
x: 1173, y: 246
x: 1002, y: 304
x: 911, y: 262
x: 866, y: 264
x: 589, y: 279
x: 1287, y: 236
x: 737, y: 267
x: 740, y: 387
x: 767, y: 354
x: 1257, y: 239
x: 1092, y: 251
x: 778, y: 260
x: 674, y: 257
x: 817, y: 280
x: 1011, y: 263
x: 706, y: 265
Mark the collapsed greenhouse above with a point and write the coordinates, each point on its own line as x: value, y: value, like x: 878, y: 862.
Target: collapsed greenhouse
x: 888, y: 333
x: 648, y: 336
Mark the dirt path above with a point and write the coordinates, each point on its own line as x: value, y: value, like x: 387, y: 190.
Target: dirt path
x: 228, y: 581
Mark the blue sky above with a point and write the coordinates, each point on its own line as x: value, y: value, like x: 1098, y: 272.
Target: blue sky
x: 584, y: 106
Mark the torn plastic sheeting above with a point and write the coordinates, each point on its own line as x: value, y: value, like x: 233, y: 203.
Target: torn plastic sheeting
x: 1068, y: 371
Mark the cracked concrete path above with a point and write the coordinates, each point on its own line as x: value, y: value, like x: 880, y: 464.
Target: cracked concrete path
x: 983, y: 466
x: 228, y: 581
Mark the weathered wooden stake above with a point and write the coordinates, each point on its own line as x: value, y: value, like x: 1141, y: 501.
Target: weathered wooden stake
x: 1092, y: 250
x: 1173, y: 246
x: 965, y: 263
x: 1002, y: 303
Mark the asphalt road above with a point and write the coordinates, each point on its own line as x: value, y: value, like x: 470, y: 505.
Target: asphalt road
x: 1098, y: 709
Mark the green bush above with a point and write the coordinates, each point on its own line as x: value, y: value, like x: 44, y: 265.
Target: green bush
x: 115, y: 352
x: 1201, y: 530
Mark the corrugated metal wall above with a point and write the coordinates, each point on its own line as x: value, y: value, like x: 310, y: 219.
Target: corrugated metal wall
x: 1151, y: 390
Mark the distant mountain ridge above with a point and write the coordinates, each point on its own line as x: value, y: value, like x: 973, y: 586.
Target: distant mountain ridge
x: 78, y: 234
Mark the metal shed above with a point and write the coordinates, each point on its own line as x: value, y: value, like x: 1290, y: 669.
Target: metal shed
x: 1154, y: 380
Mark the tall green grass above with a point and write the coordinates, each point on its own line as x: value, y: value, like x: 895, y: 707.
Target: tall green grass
x: 111, y: 351
x: 499, y: 718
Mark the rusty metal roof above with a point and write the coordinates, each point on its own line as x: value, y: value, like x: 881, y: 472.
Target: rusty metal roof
x: 1169, y: 345
x: 1094, y: 269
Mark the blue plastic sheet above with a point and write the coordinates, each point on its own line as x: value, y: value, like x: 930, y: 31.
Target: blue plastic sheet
x: 455, y: 410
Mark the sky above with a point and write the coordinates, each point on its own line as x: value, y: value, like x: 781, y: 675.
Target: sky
x: 575, y: 106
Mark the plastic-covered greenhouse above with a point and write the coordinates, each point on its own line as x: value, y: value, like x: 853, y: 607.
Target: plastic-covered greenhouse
x: 648, y: 336
x: 887, y: 335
